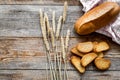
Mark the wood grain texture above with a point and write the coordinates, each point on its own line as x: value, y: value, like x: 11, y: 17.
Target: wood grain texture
x: 22, y: 51
x: 39, y: 63
x: 73, y: 75
x: 29, y: 53
x: 23, y: 20
x: 35, y: 46
x: 41, y: 2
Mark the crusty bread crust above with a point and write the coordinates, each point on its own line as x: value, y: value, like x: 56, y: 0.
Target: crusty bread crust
x: 85, y: 47
x: 76, y: 52
x: 102, y: 64
x: 77, y: 63
x: 96, y: 18
x: 88, y: 58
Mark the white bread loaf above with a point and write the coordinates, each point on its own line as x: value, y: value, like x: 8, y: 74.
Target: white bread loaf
x: 97, y: 18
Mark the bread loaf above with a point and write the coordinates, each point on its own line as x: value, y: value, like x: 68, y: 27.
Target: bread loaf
x: 96, y: 18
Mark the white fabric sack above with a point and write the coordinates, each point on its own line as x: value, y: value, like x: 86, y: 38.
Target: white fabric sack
x: 112, y: 30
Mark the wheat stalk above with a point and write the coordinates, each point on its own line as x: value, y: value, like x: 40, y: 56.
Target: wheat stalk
x: 63, y: 52
x: 53, y: 42
x: 50, y: 31
x: 65, y: 11
x: 43, y: 28
x: 44, y: 21
x: 53, y: 47
x: 53, y: 20
x: 66, y: 48
x: 58, y: 27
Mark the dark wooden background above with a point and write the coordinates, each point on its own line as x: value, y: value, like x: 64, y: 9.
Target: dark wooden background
x: 21, y: 47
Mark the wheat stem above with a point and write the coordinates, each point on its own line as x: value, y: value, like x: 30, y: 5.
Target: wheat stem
x: 47, y: 71
x: 50, y: 64
x: 58, y: 63
x: 60, y: 66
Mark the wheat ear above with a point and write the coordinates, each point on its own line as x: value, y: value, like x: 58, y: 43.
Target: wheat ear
x: 52, y: 37
x: 67, y: 39
x: 63, y: 48
x: 58, y: 27
x: 45, y: 36
x: 48, y: 23
x: 65, y: 11
x: 41, y: 17
x: 53, y: 20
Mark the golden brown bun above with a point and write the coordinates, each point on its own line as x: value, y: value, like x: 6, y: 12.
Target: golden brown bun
x: 96, y: 18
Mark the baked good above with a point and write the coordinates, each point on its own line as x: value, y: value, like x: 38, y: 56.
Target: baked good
x: 96, y: 18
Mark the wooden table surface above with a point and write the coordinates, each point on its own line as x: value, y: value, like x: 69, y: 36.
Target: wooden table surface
x: 22, y: 46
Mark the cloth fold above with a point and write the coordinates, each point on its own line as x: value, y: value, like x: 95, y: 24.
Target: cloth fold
x: 113, y: 29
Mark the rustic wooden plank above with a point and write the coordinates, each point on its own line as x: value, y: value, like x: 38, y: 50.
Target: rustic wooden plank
x: 41, y: 2
x: 23, y: 20
x: 39, y: 63
x: 99, y: 75
x: 35, y: 46
x: 29, y: 53
x: 32, y: 47
x: 73, y: 75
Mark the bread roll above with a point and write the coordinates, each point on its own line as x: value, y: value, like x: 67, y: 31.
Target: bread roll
x: 96, y: 18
